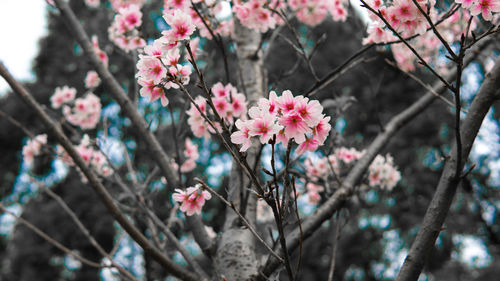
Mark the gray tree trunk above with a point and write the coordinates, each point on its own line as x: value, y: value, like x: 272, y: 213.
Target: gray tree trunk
x: 236, y: 258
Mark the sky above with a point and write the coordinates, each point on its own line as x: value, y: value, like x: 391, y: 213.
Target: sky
x: 20, y: 30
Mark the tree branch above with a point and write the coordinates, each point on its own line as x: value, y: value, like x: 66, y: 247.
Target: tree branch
x: 118, y: 94
x: 94, y: 181
x: 441, y: 202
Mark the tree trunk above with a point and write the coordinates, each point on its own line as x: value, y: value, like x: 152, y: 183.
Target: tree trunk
x: 236, y: 258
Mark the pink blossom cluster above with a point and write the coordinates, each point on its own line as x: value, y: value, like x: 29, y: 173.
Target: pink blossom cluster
x: 255, y: 14
x: 192, y: 199
x: 428, y: 45
x: 124, y: 28
x: 483, y: 7
x: 100, y: 53
x: 61, y: 96
x: 228, y: 103
x: 288, y: 118
x: 92, y: 157
x: 92, y: 80
x: 319, y: 169
x: 33, y: 147
x: 382, y: 173
x: 198, y: 125
x: 159, y: 67
x: 211, y: 8
x: 181, y: 27
x: 92, y: 3
x: 157, y: 70
x: 403, y: 16
x: 85, y: 112
x: 313, y: 192
x: 313, y: 12
x: 191, y: 154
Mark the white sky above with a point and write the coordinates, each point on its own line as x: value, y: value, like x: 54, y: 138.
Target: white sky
x: 22, y: 23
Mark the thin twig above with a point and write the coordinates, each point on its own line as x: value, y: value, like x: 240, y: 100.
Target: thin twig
x: 85, y: 231
x: 49, y: 239
x: 243, y: 219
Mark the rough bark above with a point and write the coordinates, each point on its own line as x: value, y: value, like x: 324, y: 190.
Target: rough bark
x: 236, y: 257
x: 446, y: 189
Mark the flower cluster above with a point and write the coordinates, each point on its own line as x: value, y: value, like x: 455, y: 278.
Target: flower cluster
x: 33, y: 147
x: 383, y: 173
x: 159, y: 68
x: 255, y: 14
x: 92, y: 80
x: 124, y: 29
x: 192, y: 199
x: 85, y: 113
x: 313, y: 12
x: 483, y: 7
x: 319, y: 169
x: 181, y: 27
x: 93, y: 158
x: 288, y: 118
x: 211, y: 8
x: 228, y: 103
x: 191, y: 154
x: 198, y: 125
x: 61, y: 96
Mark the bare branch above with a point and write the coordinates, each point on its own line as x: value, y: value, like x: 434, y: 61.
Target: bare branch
x: 445, y: 191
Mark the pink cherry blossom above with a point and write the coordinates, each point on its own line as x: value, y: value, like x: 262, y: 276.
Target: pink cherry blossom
x: 310, y: 144
x: 151, y: 68
x: 61, y: 96
x: 485, y: 8
x: 85, y: 112
x: 181, y: 26
x: 295, y: 127
x: 242, y: 136
x: 92, y: 80
x: 192, y: 200
x: 382, y: 173
x: 286, y: 117
x: 150, y: 90
x: 124, y: 28
x: 33, y: 147
x: 264, y: 127
x: 310, y: 111
x: 91, y: 156
x: 322, y: 129
x: 191, y: 153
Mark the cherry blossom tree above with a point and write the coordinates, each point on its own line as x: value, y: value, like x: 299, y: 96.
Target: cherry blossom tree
x: 283, y: 146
